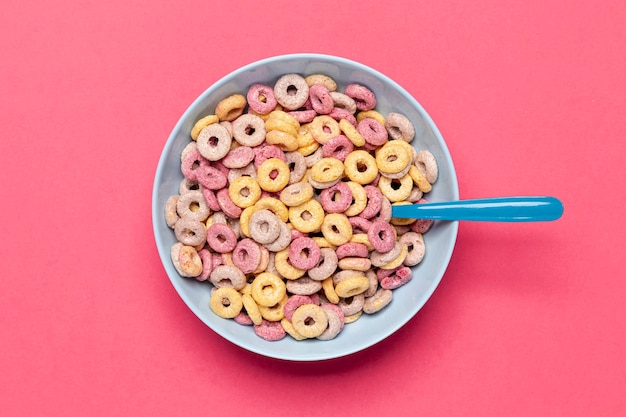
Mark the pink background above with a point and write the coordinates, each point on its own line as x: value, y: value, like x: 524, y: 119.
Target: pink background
x: 530, y: 319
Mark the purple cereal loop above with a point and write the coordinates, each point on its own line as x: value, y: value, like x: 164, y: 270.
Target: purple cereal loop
x: 221, y: 238
x: 338, y: 147
x: 207, y: 264
x: 238, y: 157
x: 321, y: 100
x: 381, y: 236
x: 270, y: 330
x: 374, y: 202
x: 372, y: 131
x: 264, y: 152
x: 399, y: 277
x: 293, y: 303
x: 330, y: 203
x: 226, y: 204
x: 256, y: 103
x: 304, y: 253
x: 210, y: 177
x: 246, y: 255
x: 359, y: 224
x: 303, y: 116
x: 362, y: 96
x: 191, y: 162
x: 338, y: 114
x: 352, y: 249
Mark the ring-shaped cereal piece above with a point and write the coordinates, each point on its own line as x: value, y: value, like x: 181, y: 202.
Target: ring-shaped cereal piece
x: 190, y: 232
x: 372, y: 114
x: 192, y: 205
x: 202, y: 123
x: 249, y: 130
x: 211, y: 177
x: 314, y: 157
x: 351, y: 305
x: 321, y: 185
x: 303, y: 116
x: 351, y: 249
x: 247, y: 255
x: 362, y: 238
x: 381, y: 236
x: 226, y: 302
x: 321, y: 100
x: 398, y: 261
x: 304, y: 253
x: 419, y: 179
x: 303, y: 286
x: 231, y: 107
x: 360, y: 167
x: 372, y: 131
x: 323, y: 79
x: 293, y: 303
x: 171, y: 215
x: 326, y: 265
x: 244, y: 220
x: 252, y: 309
x: 378, y: 301
x: 244, y: 191
x: 416, y: 249
x: 363, y: 96
x: 328, y: 287
x: 338, y: 147
x: 274, y: 312
x: 343, y: 101
x: 349, y: 130
x: 336, y: 228
x: 264, y: 152
x: 291, y: 91
x: 323, y: 128
x: 398, y: 221
x: 374, y: 201
x: 264, y: 226
x: 283, y: 240
x: 274, y: 205
x: 284, y: 267
x: 352, y: 286
x: 381, y: 258
x: 426, y: 162
x: 267, y: 289
x: 396, y: 189
x: 283, y: 121
x: 227, y: 276
x: 397, y: 175
x: 273, y: 175
x: 214, y: 142
x: 359, y: 199
x: 221, y: 238
x: 261, y: 98
x: 342, y: 114
x: 297, y: 166
x: 270, y: 331
x: 285, y: 141
x: 307, y: 217
x: 392, y: 158
x: 335, y: 322
x: 186, y: 260
x: 399, y: 277
x: 354, y: 263
x: 399, y: 127
x: 238, y: 157
x: 309, y: 320
x: 288, y: 327
x: 296, y: 194
x: 337, y: 198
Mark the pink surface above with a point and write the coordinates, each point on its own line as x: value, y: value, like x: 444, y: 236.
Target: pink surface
x: 530, y: 319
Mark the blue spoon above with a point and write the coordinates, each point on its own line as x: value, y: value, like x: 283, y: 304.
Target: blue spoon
x: 502, y: 209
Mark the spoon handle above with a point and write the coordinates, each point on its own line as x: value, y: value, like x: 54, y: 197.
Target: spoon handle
x: 501, y: 209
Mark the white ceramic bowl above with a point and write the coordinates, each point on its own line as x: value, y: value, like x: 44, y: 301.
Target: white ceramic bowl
x: 440, y: 240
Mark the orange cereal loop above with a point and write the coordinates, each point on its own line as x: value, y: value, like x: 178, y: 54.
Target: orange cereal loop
x: 359, y: 197
x: 252, y: 309
x: 372, y: 114
x: 284, y: 267
x: 244, y: 191
x: 267, y: 289
x: 231, y: 107
x: 401, y: 222
x: 201, y: 124
x: 399, y: 260
x: 392, y: 157
x: 352, y: 317
x: 325, y: 80
x: 280, y: 120
x: 308, y: 149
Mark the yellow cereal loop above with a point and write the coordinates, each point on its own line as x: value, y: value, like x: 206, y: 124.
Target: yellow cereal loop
x: 202, y: 123
x: 352, y: 317
x: 226, y: 302
x: 419, y: 179
x: 267, y: 115
x: 273, y: 175
x: 246, y: 289
x: 352, y: 286
x: 285, y: 141
x: 351, y: 133
x: 358, y: 196
x: 231, y: 107
x: 323, y: 243
x: 327, y: 169
x: 252, y: 309
x: 323, y: 128
x: 275, y: 206
x: 396, y: 189
x: 372, y: 114
x: 336, y: 229
x: 283, y: 266
x: 362, y: 238
x: 244, y: 191
x: 274, y: 312
x: 398, y: 261
x: 360, y: 167
x: 279, y: 119
x: 392, y: 157
x: 308, y: 149
x: 288, y: 327
x: 329, y: 290
x: 244, y: 220
x: 296, y: 194
x: 267, y: 289
x: 401, y: 222
x: 309, y: 320
x: 307, y: 217
x: 325, y: 80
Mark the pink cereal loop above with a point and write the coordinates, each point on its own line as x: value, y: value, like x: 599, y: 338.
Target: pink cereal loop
x: 362, y: 96
x: 399, y: 277
x: 321, y: 100
x: 226, y: 204
x: 243, y: 319
x: 211, y: 177
x: 238, y: 157
x: 359, y: 224
x: 338, y: 147
x: 246, y: 255
x: 293, y: 303
x: 210, y: 198
x: 207, y: 265
x: 191, y: 162
x: 221, y: 238
x: 374, y: 202
x: 352, y: 249
x: 304, y: 253
x: 270, y: 330
x: 381, y: 236
x: 421, y: 225
x: 372, y: 131
x: 338, y: 114
x: 336, y: 199
x: 261, y: 98
x: 264, y: 152
x: 303, y: 116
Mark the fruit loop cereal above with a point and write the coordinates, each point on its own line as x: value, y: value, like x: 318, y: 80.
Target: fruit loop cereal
x: 285, y: 206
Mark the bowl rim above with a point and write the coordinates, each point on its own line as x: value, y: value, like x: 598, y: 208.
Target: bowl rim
x: 167, y: 148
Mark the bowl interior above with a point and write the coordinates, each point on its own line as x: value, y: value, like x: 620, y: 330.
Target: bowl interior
x: 440, y: 240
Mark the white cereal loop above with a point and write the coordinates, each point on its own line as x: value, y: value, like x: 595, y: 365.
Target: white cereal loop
x: 416, y: 249
x: 352, y: 305
x: 190, y: 232
x: 171, y: 215
x: 342, y: 101
x: 378, y: 301
x: 291, y: 91
x: 214, y: 142
x: 426, y: 162
x: 399, y: 127
x: 249, y: 130
x: 192, y: 205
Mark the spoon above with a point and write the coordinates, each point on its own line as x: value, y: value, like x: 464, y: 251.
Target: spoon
x: 500, y: 209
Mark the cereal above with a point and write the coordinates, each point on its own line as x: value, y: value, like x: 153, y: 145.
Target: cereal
x: 285, y: 206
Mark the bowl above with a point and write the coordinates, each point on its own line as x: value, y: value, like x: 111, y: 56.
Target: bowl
x: 439, y: 240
